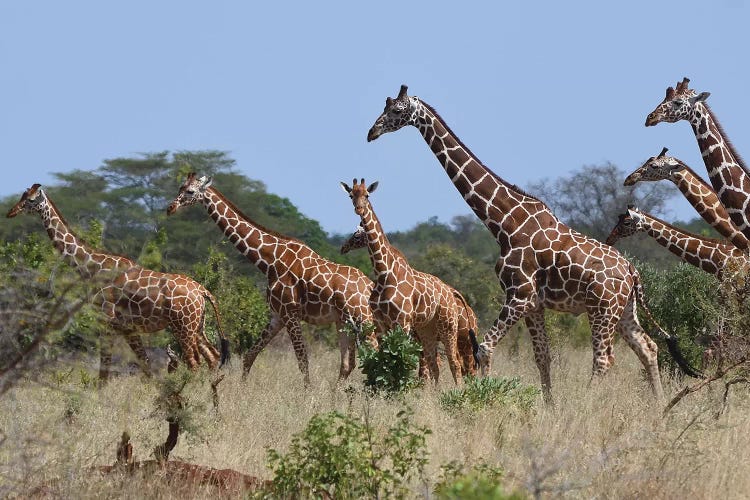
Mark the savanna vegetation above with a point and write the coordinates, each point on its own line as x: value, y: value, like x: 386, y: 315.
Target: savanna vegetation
x: 382, y: 433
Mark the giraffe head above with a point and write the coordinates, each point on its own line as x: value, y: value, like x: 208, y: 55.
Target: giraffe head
x: 398, y: 112
x: 356, y: 240
x: 359, y: 194
x: 191, y: 192
x: 628, y: 224
x: 32, y: 200
x: 656, y: 168
x: 679, y: 104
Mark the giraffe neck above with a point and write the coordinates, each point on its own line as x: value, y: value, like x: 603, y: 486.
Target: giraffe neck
x: 482, y: 189
x: 382, y: 254
x: 259, y: 245
x: 706, y: 202
x: 706, y: 254
x: 74, y: 251
x: 727, y: 173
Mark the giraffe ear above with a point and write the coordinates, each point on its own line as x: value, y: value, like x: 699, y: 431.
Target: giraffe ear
x: 700, y: 97
x: 207, y: 183
x: 372, y: 187
x: 345, y: 187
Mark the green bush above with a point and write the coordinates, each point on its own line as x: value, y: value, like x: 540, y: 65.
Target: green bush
x: 340, y: 456
x: 685, y: 301
x: 480, y: 393
x: 481, y: 482
x: 243, y: 308
x: 392, y: 368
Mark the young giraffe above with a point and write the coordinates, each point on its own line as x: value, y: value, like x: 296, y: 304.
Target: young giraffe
x: 302, y: 285
x: 711, y: 255
x: 726, y: 170
x: 700, y: 195
x: 467, y: 320
x: 543, y: 263
x: 416, y: 301
x: 133, y: 299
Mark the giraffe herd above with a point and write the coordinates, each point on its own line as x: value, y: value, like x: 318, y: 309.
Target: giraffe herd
x: 543, y: 263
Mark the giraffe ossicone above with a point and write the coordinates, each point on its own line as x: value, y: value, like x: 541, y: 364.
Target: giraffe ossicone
x: 402, y: 296
x: 695, y: 190
x: 543, y: 263
x: 301, y: 285
x: 727, y: 171
x: 132, y: 298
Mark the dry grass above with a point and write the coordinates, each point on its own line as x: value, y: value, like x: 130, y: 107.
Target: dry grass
x: 605, y: 441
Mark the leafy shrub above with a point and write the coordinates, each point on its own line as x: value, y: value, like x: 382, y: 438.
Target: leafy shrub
x: 339, y: 456
x: 243, y: 308
x: 481, y: 482
x: 480, y: 393
x: 392, y: 367
x: 685, y: 301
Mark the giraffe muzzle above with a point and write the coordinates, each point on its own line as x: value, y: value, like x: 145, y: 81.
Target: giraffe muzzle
x: 172, y: 208
x: 652, y: 119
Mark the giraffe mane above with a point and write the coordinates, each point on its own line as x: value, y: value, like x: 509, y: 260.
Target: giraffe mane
x: 729, y: 144
x: 686, y: 232
x: 514, y: 187
x: 84, y: 243
x: 256, y: 224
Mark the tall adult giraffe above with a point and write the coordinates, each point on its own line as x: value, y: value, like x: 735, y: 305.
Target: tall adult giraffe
x: 133, y: 299
x: 700, y: 195
x: 467, y: 319
x: 302, y: 285
x: 728, y: 174
x: 416, y: 301
x: 543, y: 263
x: 711, y: 255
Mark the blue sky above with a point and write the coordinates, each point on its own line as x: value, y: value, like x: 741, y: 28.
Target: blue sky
x: 290, y: 89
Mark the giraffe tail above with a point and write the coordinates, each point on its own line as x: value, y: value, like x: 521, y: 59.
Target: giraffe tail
x: 223, y: 340
x: 671, y: 340
x: 474, y: 346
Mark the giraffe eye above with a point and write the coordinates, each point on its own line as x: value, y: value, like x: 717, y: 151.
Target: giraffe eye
x: 191, y: 192
x: 677, y: 103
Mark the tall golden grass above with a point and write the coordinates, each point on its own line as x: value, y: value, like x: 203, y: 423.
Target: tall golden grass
x: 606, y: 440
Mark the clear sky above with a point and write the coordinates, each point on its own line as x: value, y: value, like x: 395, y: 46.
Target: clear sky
x: 535, y: 89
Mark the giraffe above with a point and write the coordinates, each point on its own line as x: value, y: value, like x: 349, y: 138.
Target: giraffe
x: 711, y: 255
x: 403, y: 296
x: 467, y: 320
x: 700, y: 195
x: 726, y: 170
x: 302, y: 285
x: 543, y: 263
x: 133, y: 299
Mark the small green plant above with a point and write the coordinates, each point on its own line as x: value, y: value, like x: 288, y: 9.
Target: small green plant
x: 480, y: 393
x: 481, y: 482
x: 341, y: 456
x: 392, y: 368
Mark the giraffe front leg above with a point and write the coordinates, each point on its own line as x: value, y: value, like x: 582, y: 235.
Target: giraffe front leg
x: 447, y: 329
x: 136, y: 345
x: 105, y: 357
x: 514, y: 309
x: 294, y: 330
x: 269, y: 332
x: 347, y: 348
x: 540, y: 342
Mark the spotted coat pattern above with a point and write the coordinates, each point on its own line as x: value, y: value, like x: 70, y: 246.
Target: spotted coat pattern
x: 711, y: 255
x: 727, y: 172
x: 132, y: 298
x: 467, y: 319
x: 403, y: 296
x: 697, y: 192
x: 302, y: 285
x: 543, y: 263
